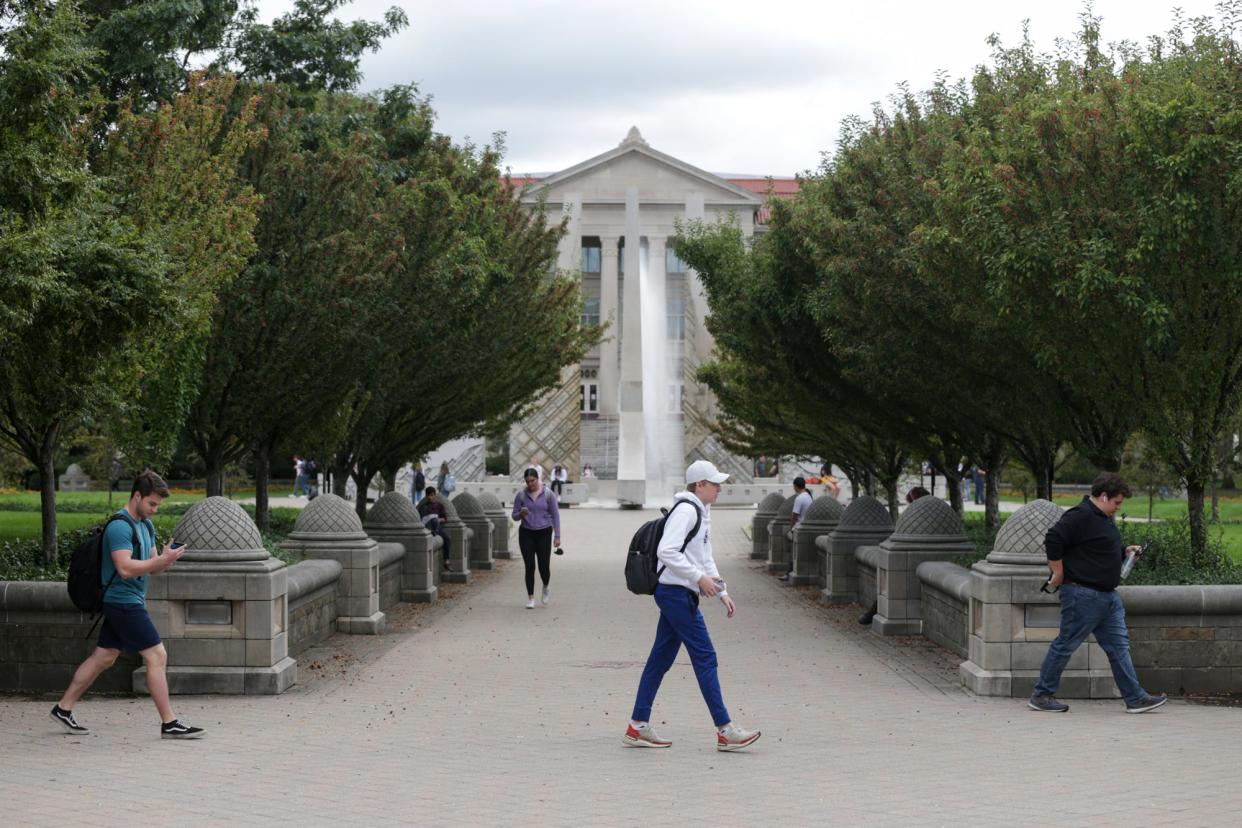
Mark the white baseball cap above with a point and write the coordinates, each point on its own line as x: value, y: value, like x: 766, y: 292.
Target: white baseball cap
x: 704, y: 470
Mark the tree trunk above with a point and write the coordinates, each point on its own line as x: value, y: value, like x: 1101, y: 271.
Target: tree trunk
x: 362, y: 480
x: 340, y: 478
x: 390, y: 480
x: 994, y: 456
x: 262, y: 477
x: 890, y: 484
x: 1194, y: 509
x: 47, y: 496
x: 954, y: 485
x: 1215, y: 501
x: 215, y: 476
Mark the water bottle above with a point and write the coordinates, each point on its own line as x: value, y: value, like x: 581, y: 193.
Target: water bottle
x: 1128, y: 565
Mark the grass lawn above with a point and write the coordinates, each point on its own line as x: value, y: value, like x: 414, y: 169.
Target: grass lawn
x: 78, y: 510
x: 21, y: 525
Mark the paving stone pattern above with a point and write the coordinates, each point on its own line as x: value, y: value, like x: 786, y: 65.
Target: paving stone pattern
x: 476, y: 711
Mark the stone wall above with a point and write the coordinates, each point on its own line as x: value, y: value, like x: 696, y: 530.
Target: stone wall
x: 312, y: 603
x: 391, y: 556
x: 946, y: 599
x: 43, y: 639
x: 1186, y: 639
x: 867, y: 589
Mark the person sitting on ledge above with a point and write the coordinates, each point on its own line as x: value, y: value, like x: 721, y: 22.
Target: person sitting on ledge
x: 434, y: 516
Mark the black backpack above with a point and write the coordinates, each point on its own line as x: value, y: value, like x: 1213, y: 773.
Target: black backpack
x: 642, y: 569
x: 86, y: 568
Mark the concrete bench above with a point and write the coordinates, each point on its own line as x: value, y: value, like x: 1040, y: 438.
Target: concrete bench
x: 749, y: 494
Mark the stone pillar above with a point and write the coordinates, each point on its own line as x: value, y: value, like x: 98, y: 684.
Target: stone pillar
x: 499, y: 517
x: 459, y: 553
x: 865, y: 522
x: 609, y: 349
x: 759, y: 526
x: 821, y: 517
x: 393, y: 519
x: 929, y: 530
x: 1011, y: 623
x: 778, y: 544
x: 329, y: 529
x: 631, y: 444
x: 470, y: 512
x: 222, y: 611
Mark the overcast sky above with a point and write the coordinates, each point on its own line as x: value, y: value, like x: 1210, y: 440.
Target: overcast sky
x: 757, y: 87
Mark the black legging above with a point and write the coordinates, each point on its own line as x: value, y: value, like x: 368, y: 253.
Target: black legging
x: 536, y: 543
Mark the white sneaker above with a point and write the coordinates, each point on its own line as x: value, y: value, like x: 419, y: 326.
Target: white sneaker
x: 734, y: 738
x: 530, y: 604
x: 546, y: 597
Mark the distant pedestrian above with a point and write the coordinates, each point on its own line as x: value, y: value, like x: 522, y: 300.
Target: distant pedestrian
x: 560, y: 476
x: 1085, y: 556
x: 979, y: 478
x: 536, y: 508
x: 129, y: 556
x: 802, y: 502
x: 587, y: 471
x: 299, y: 476
x: 420, y: 483
x: 688, y: 570
x: 446, y: 484
x: 434, y: 517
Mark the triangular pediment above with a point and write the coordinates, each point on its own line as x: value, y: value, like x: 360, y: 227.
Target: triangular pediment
x: 658, y: 176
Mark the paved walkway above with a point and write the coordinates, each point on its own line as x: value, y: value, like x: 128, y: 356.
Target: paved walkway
x: 477, y: 711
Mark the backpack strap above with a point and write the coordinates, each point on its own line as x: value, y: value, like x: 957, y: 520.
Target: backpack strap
x: 694, y: 530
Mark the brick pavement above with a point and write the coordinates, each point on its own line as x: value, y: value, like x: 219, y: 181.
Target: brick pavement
x: 477, y: 711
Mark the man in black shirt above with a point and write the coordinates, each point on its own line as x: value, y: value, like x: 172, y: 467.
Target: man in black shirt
x: 1085, y: 556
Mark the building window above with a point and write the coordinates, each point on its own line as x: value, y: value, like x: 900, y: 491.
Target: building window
x: 672, y: 264
x: 589, y: 400
x: 590, y: 310
x: 676, y: 395
x: 676, y: 306
x: 591, y: 256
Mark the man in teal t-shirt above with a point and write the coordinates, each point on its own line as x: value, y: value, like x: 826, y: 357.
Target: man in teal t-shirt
x: 127, y: 626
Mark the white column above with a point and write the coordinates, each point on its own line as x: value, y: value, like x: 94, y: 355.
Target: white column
x: 609, y: 353
x: 631, y: 447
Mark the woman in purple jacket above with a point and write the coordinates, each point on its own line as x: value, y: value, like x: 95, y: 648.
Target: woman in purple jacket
x: 535, y: 506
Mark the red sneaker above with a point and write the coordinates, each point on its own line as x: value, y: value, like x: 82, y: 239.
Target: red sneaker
x: 644, y: 736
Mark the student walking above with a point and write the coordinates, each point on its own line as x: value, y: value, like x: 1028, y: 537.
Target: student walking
x: 127, y: 626
x: 688, y: 570
x: 535, y: 506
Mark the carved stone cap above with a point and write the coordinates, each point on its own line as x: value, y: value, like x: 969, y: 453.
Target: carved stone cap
x: 217, y: 529
x: 393, y: 510
x: 489, y: 502
x: 826, y: 509
x: 771, y: 503
x: 929, y: 517
x: 467, y: 505
x: 328, y: 515
x: 1021, y: 539
x: 786, y: 507
x: 866, y: 512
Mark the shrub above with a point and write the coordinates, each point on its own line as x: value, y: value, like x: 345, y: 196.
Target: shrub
x: 1171, y: 560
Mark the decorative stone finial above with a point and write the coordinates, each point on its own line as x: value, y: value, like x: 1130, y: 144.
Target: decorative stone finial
x: 634, y: 137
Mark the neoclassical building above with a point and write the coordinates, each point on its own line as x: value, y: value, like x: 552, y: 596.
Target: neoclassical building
x: 607, y: 413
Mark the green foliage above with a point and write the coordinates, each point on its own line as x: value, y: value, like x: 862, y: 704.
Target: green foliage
x: 308, y: 49
x: 1174, y: 558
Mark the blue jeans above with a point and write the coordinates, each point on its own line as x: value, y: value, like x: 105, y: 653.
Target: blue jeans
x: 1085, y: 611
x: 299, y: 485
x: 680, y: 623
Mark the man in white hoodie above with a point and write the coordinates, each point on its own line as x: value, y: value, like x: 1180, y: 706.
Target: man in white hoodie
x: 688, y: 570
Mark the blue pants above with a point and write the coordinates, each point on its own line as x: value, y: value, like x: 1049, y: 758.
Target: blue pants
x: 680, y: 623
x: 1085, y: 611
